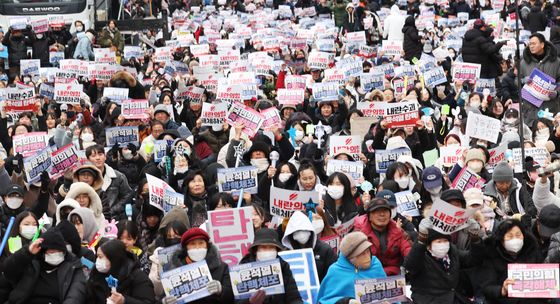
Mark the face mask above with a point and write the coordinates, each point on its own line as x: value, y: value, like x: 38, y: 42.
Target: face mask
x: 318, y: 226
x: 216, y: 128
x: 127, y: 155
x: 102, y: 265
x: 513, y: 245
x: 79, y: 28
x: 435, y: 190
x: 475, y: 104
x: 28, y: 232
x: 88, y: 137
x: 403, y: 182
x: 14, y: 202
x: 181, y: 170
x: 476, y: 167
x: 260, y: 163
x: 440, y: 250
x: 171, y: 242
x: 511, y: 120
x: 266, y: 255
x: 39, y: 36
x: 284, y: 177
x: 302, y: 236
x: 198, y: 254
x: 336, y: 192
x: 299, y: 135
x: 54, y: 259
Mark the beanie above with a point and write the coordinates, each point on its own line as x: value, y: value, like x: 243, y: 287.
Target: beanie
x: 53, y: 239
x: 434, y: 235
x: 353, y: 244
x: 474, y: 154
x: 194, y: 234
x: 502, y: 173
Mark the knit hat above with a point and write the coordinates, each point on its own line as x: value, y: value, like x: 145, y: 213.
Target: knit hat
x: 53, y: 239
x: 161, y: 108
x: 502, y: 173
x: 353, y: 244
x: 70, y: 235
x: 434, y: 235
x: 474, y: 154
x: 549, y: 219
x: 194, y: 234
x: 473, y: 196
x: 453, y: 195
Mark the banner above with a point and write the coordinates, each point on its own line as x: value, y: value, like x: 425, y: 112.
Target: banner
x: 534, y: 281
x: 213, y: 114
x: 29, y: 143
x: 290, y: 96
x: 271, y: 118
x: 351, y: 144
x: 465, y: 71
x: 304, y: 270
x: 251, y: 119
x: 381, y: 290
x: 162, y: 196
x: 135, y: 109
x: 235, y: 179
x: 402, y: 114
x: 247, y: 279
x: 68, y: 93
x: 15, y: 106
x: 37, y: 164
x: 63, y: 160
x: 384, y: 158
x: 231, y: 230
x: 325, y: 91
x: 467, y: 179
x: 284, y: 203
x: 187, y: 283
x: 122, y: 136
x: 406, y: 203
x: 451, y: 154
x: 541, y: 86
x: 483, y: 127
x: 447, y: 218
x: 354, y: 169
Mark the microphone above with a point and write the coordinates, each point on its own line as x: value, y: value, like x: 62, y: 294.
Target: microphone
x: 274, y: 157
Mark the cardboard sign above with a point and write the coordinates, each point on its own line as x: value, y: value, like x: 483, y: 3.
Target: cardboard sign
x: 12, y: 106
x: 467, y: 179
x: 318, y: 60
x: 354, y: 169
x: 381, y: 290
x: 402, y: 114
x: 290, y: 96
x: 351, y: 144
x: 213, y: 114
x: 539, y: 155
x: 392, y: 47
x: 29, y: 67
x: 284, y: 203
x: 68, y: 93
x: 29, y: 143
x: 135, y: 108
x: 122, y: 136
x: 451, y: 154
x: 406, y: 203
x: 187, y: 283
x: 37, y: 164
x: 483, y: 127
x: 541, y: 86
x: 251, y: 119
x: 384, y: 158
x: 231, y: 230
x: 63, y: 160
x: 163, y: 196
x: 235, y: 179
x: 271, y: 118
x: 325, y: 91
x: 247, y: 279
x: 465, y: 71
x: 304, y: 271
x: 447, y: 218
x: 534, y: 281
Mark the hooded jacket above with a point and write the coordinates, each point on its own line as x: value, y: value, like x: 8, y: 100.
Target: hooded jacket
x: 393, y: 24
x: 480, y: 48
x: 88, y: 220
x: 536, y: 20
x: 115, y: 191
x: 324, y: 255
x: 69, y: 202
x: 542, y: 195
x: 412, y: 44
x: 94, y: 201
x: 83, y: 49
x: 341, y: 277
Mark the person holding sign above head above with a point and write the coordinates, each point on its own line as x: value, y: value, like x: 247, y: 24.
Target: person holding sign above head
x: 355, y: 261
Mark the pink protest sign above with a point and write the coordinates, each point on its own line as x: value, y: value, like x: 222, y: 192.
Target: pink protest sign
x: 534, y: 281
x: 232, y: 232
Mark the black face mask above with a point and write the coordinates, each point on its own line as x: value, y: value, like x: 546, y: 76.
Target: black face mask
x: 171, y: 242
x: 70, y: 114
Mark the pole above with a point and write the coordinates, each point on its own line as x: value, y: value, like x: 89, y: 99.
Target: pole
x: 518, y: 66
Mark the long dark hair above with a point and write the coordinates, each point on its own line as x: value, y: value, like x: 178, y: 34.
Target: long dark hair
x: 506, y: 226
x: 348, y: 205
x: 116, y: 253
x: 19, y: 219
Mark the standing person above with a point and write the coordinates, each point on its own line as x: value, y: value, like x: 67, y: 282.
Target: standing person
x: 351, y: 22
x: 392, y: 27
x: 17, y: 42
x: 84, y: 49
x: 412, y: 44
x: 479, y: 47
x: 111, y: 37
x: 536, y: 20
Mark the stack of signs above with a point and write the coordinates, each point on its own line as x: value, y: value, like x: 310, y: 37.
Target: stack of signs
x: 384, y: 158
x: 247, y: 279
x: 402, y: 114
x: 284, y: 203
x: 382, y: 290
x: 235, y: 179
x: 242, y: 114
x: 534, y: 281
x: 68, y: 93
x: 29, y: 143
x: 63, y: 159
x: 187, y: 283
x: 451, y: 154
x: 355, y: 169
x: 539, y: 89
x: 447, y: 218
x: 163, y: 196
x: 406, y: 203
x: 351, y: 144
x: 304, y: 271
x: 122, y: 135
x: 466, y: 71
x: 467, y: 179
x: 231, y: 230
x: 135, y: 109
x: 36, y: 164
x: 213, y: 114
x: 539, y: 155
x: 483, y: 127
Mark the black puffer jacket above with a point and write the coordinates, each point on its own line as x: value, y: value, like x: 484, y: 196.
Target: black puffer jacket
x: 412, y: 45
x: 536, y: 20
x: 478, y: 47
x: 17, y: 47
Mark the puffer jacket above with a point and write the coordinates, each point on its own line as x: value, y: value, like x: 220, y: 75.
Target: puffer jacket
x: 17, y: 48
x: 478, y: 47
x: 412, y: 44
x: 83, y: 49
x: 115, y: 191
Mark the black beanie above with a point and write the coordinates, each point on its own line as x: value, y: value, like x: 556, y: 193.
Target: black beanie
x: 53, y: 239
x: 70, y: 235
x: 434, y: 235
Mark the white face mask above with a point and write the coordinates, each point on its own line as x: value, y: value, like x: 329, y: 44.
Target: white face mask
x: 266, y: 255
x: 299, y: 135
x: 434, y: 191
x: 511, y: 120
x: 88, y: 137
x: 261, y: 164
x: 79, y: 28
x: 513, y: 245
x: 284, y: 177
x: 475, y: 104
x: 336, y: 192
x: 102, y: 265
x: 476, y: 167
x: 302, y: 236
x: 216, y: 128
x: 403, y: 182
x: 127, y: 155
x: 54, y: 259
x: 318, y: 226
x: 39, y: 36
x: 69, y: 247
x: 14, y: 202
x: 439, y: 250
x: 181, y: 170
x: 543, y: 132
x: 197, y: 254
x: 28, y: 232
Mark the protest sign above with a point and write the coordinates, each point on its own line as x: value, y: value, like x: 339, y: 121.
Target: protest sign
x: 19, y: 93
x: 402, y: 114
x: 251, y: 119
x: 372, y: 108
x: 318, y: 60
x: 482, y: 84
x: 135, y: 109
x: 333, y: 241
x: 160, y: 149
x: 40, y: 25
x: 354, y: 169
x: 191, y: 94
x: 123, y: 136
x: 465, y: 71
x: 133, y: 52
x: 187, y: 283
x: 29, y: 67
x: 467, y: 179
x: 304, y: 270
x: 231, y: 230
x: 104, y: 55
x: 539, y: 155
x: 290, y: 96
x: 372, y: 81
x: 213, y: 114
x: 294, y: 82
x: 115, y: 94
x: 271, y: 118
x: 68, y: 93
x: 165, y: 256
x: 434, y: 77
x: 347, y: 144
x: 18, y: 23
x: 36, y: 164
x: 392, y: 47
x: 16, y: 106
x: 360, y: 125
x: 29, y: 143
x: 55, y: 57
x: 162, y: 195
x: 343, y: 229
x: 451, y: 154
x: 483, y: 127
x: 384, y: 158
x: 406, y: 203
x: 539, y: 89
x: 198, y: 50
x: 334, y: 75
x: 381, y: 290
x: 497, y: 155
x: 246, y: 279
x: 534, y: 281
x: 235, y: 179
x: 447, y: 218
x: 284, y: 203
x: 63, y: 160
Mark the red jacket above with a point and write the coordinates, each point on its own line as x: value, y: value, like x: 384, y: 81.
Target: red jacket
x: 280, y: 80
x: 398, y: 246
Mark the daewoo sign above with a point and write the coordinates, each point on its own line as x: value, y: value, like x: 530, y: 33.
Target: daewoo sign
x: 40, y: 9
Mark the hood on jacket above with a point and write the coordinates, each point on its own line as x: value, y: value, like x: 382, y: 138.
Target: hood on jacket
x: 176, y: 214
x: 473, y: 34
x: 94, y: 201
x: 395, y: 10
x: 68, y: 202
x: 396, y: 142
x: 409, y: 23
x: 298, y: 222
x: 555, y: 34
x: 88, y: 220
x: 550, y: 53
x: 97, y: 183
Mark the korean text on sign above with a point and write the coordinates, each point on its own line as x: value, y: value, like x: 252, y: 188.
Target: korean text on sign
x: 187, y: 283
x: 232, y: 232
x: 246, y: 279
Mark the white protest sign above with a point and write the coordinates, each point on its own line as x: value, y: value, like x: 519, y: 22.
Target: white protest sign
x: 447, y: 219
x: 247, y: 279
x: 483, y: 127
x: 465, y: 71
x: 135, y: 109
x: 187, y: 283
x: 354, y: 169
x: 406, y: 203
x: 213, y: 114
x: 345, y: 144
x: 68, y: 93
x: 284, y: 203
x: 392, y: 47
x: 290, y: 96
x: 451, y: 154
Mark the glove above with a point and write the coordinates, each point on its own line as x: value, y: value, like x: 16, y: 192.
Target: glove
x: 474, y: 228
x: 214, y: 287
x: 67, y: 183
x: 18, y: 163
x: 528, y: 80
x: 425, y: 225
x: 169, y: 300
x: 45, y: 181
x: 114, y: 150
x: 132, y: 147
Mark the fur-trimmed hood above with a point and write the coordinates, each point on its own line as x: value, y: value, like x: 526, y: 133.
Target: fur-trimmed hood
x: 94, y: 204
x: 97, y: 183
x: 69, y: 202
x: 122, y: 77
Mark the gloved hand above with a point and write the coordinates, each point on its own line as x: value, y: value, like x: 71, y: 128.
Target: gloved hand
x: 45, y: 181
x: 214, y: 287
x: 114, y: 150
x: 425, y: 225
x: 474, y: 228
x: 132, y: 147
x: 17, y: 163
x: 67, y: 183
x: 169, y: 300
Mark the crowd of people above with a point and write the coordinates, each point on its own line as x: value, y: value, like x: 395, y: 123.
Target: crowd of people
x: 93, y: 233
